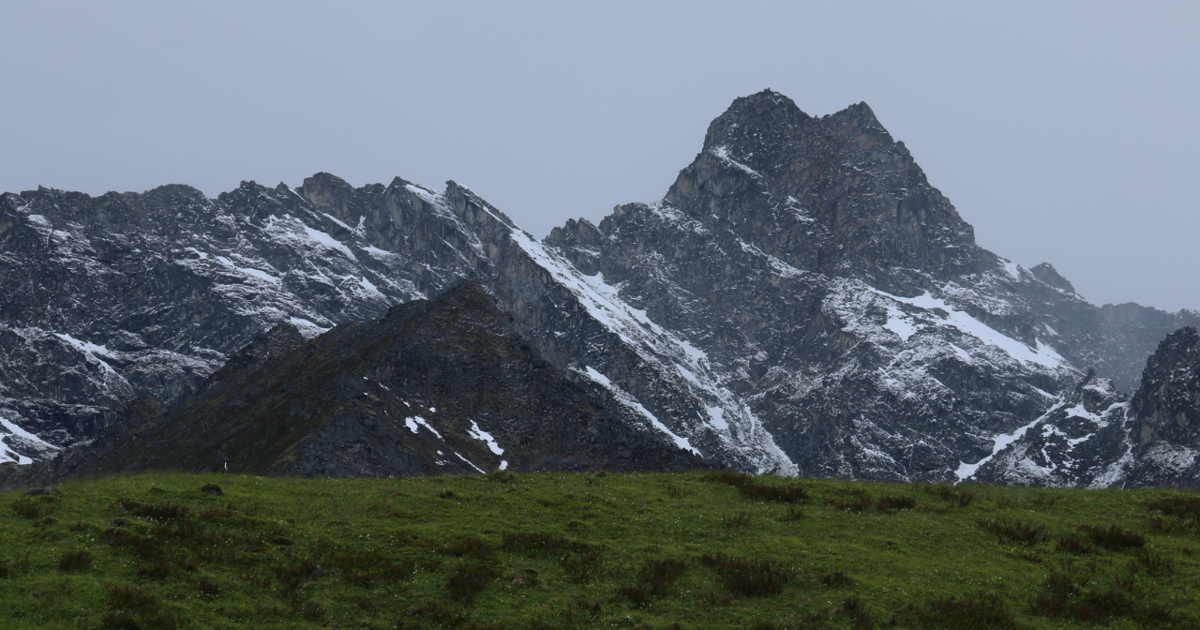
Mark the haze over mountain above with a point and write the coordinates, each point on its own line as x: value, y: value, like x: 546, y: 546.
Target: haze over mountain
x: 801, y: 301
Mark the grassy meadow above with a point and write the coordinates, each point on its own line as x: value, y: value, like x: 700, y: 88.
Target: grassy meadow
x: 530, y: 551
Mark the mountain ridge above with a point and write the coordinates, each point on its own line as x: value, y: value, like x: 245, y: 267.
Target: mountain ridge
x: 801, y: 300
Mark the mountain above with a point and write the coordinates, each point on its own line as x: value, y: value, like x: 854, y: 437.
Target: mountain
x: 433, y: 387
x: 802, y: 301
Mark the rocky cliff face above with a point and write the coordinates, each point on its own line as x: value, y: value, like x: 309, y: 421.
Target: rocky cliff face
x: 801, y: 301
x: 1097, y: 437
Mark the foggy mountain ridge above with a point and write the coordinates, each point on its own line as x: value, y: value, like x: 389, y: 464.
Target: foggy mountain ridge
x: 801, y: 301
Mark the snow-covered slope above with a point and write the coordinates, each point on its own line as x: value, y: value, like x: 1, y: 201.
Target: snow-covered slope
x: 802, y: 301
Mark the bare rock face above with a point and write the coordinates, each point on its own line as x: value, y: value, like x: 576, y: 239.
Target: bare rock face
x: 1167, y: 412
x: 801, y: 301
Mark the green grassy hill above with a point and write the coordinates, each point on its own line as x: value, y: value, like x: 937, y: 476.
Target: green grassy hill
x: 716, y: 550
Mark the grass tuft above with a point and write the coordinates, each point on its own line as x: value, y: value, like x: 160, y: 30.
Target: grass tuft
x: 983, y: 611
x: 1017, y: 532
x: 31, y: 508
x: 74, y: 561
x: 655, y: 578
x: 472, y: 547
x: 470, y: 579
x: 749, y: 577
x: 1114, y: 537
x: 741, y: 519
x: 1177, y: 506
x: 835, y: 579
x: 1072, y: 544
x: 959, y: 497
x: 889, y: 504
x: 124, y: 597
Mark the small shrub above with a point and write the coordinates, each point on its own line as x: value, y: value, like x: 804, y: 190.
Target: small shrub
x: 75, y: 561
x: 472, y: 547
x: 860, y: 619
x: 157, y: 511
x: 433, y: 613
x: 1015, y: 532
x: 1153, y: 563
x: 127, y: 598
x: 209, y: 588
x: 365, y: 569
x: 1094, y: 607
x: 159, y: 570
x: 1113, y: 537
x: 655, y: 578
x: 6, y: 569
x: 470, y: 579
x: 860, y: 502
x: 1180, y: 507
x: 29, y: 508
x: 582, y: 568
x: 791, y: 493
x: 312, y: 611
x: 125, y: 621
x: 1044, y: 499
x: 960, y: 497
x: 179, y: 530
x: 730, y: 477
x: 540, y: 543
x: 890, y: 504
x: 835, y: 579
x: 502, y: 476
x: 120, y: 621
x: 741, y: 519
x: 748, y: 577
x: 983, y: 611
x: 144, y: 546
x: 483, y: 625
x: 209, y: 515
x: 212, y: 489
x: 677, y: 493
x: 1072, y: 544
x: 292, y: 575
x: 446, y: 494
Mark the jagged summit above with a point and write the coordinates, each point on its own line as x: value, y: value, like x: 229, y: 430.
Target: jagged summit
x: 839, y: 191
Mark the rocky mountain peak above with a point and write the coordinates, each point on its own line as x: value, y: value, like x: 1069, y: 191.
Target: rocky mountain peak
x: 752, y: 119
x: 832, y: 194
x: 1048, y: 274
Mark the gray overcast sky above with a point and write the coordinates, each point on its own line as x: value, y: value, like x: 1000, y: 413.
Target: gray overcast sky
x: 1064, y: 132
